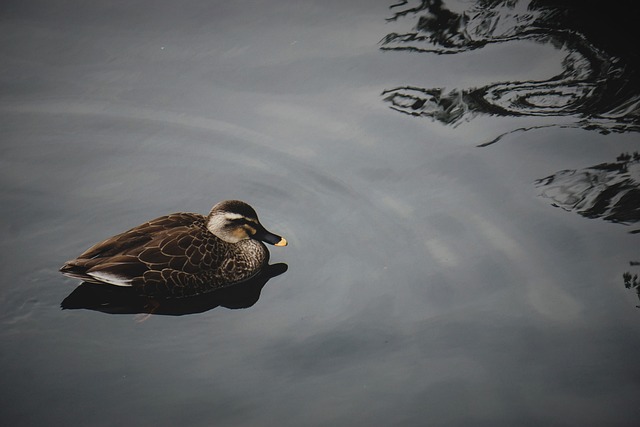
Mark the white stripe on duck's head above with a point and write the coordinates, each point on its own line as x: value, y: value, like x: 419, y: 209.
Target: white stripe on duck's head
x: 234, y: 220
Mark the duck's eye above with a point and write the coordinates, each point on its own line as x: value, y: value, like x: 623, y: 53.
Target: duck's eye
x: 243, y: 223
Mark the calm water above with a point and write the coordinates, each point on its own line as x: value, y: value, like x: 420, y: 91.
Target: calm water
x: 456, y: 181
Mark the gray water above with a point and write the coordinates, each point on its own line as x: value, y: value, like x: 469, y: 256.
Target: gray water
x: 430, y: 281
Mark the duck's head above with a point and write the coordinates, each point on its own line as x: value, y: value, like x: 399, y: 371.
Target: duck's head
x: 233, y: 221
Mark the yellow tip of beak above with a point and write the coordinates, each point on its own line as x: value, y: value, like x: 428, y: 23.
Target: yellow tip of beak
x: 282, y: 242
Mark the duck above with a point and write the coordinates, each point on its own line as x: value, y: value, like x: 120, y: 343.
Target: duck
x: 180, y: 254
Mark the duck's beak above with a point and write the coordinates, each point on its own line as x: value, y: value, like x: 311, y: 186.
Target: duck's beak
x: 266, y: 236
x: 282, y: 242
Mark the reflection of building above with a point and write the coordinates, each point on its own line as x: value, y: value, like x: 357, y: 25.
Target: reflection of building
x: 610, y: 191
x: 597, y: 87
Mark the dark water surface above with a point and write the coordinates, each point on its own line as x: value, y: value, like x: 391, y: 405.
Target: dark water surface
x: 457, y: 183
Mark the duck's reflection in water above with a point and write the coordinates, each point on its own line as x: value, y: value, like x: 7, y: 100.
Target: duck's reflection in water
x: 118, y: 300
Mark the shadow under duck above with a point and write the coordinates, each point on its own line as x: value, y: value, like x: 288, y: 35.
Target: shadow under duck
x: 181, y: 254
x: 121, y: 300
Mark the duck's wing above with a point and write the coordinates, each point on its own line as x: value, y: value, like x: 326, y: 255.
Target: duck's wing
x: 160, y: 243
x: 137, y: 236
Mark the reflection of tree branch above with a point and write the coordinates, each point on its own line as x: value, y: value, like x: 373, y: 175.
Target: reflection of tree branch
x: 447, y: 108
x: 593, y: 87
x: 424, y: 4
x: 451, y: 32
x: 632, y: 281
x: 610, y: 191
x: 526, y: 129
x: 400, y: 3
x: 603, y: 128
x: 553, y: 97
